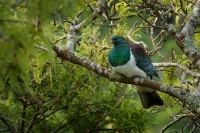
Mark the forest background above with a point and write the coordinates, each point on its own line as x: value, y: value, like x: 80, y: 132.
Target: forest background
x: 55, y: 75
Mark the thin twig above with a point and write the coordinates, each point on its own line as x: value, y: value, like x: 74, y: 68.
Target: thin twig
x: 42, y: 47
x: 59, y: 39
x: 10, y: 128
x: 32, y: 122
x: 23, y: 117
x: 131, y: 39
x: 156, y: 27
x: 175, y: 121
x: 17, y: 3
x: 182, y: 7
x: 183, y: 68
x: 108, y: 113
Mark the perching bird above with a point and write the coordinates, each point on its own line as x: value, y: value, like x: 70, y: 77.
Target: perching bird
x: 132, y: 60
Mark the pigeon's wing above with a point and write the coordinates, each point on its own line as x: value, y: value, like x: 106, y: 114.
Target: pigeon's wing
x: 143, y: 61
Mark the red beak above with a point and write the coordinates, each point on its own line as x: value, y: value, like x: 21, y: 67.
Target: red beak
x: 111, y: 41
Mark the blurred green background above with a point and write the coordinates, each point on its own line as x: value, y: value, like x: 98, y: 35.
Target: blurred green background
x: 42, y: 93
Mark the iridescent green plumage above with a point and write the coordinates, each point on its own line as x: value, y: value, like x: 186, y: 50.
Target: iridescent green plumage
x: 132, y: 60
x: 119, y: 55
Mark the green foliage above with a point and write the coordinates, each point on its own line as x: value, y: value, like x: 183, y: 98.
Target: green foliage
x: 197, y: 42
x: 42, y: 93
x: 130, y: 117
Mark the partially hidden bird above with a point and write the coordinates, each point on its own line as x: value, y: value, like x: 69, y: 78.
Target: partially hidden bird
x: 132, y: 60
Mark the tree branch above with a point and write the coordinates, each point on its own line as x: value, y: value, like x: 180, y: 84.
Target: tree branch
x: 183, y: 68
x: 74, y: 27
x: 186, y: 98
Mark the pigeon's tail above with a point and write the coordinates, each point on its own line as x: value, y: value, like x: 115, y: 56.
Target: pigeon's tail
x: 150, y: 99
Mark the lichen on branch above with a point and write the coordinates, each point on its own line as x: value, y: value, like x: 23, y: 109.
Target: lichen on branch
x: 186, y: 98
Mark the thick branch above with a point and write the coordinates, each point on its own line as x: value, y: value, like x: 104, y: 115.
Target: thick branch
x: 186, y: 98
x: 187, y: 44
x: 74, y: 28
x: 185, y: 39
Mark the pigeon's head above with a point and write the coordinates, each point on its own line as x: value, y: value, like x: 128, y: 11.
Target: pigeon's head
x: 117, y: 39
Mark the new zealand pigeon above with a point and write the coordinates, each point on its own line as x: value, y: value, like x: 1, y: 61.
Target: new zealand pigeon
x: 132, y: 60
